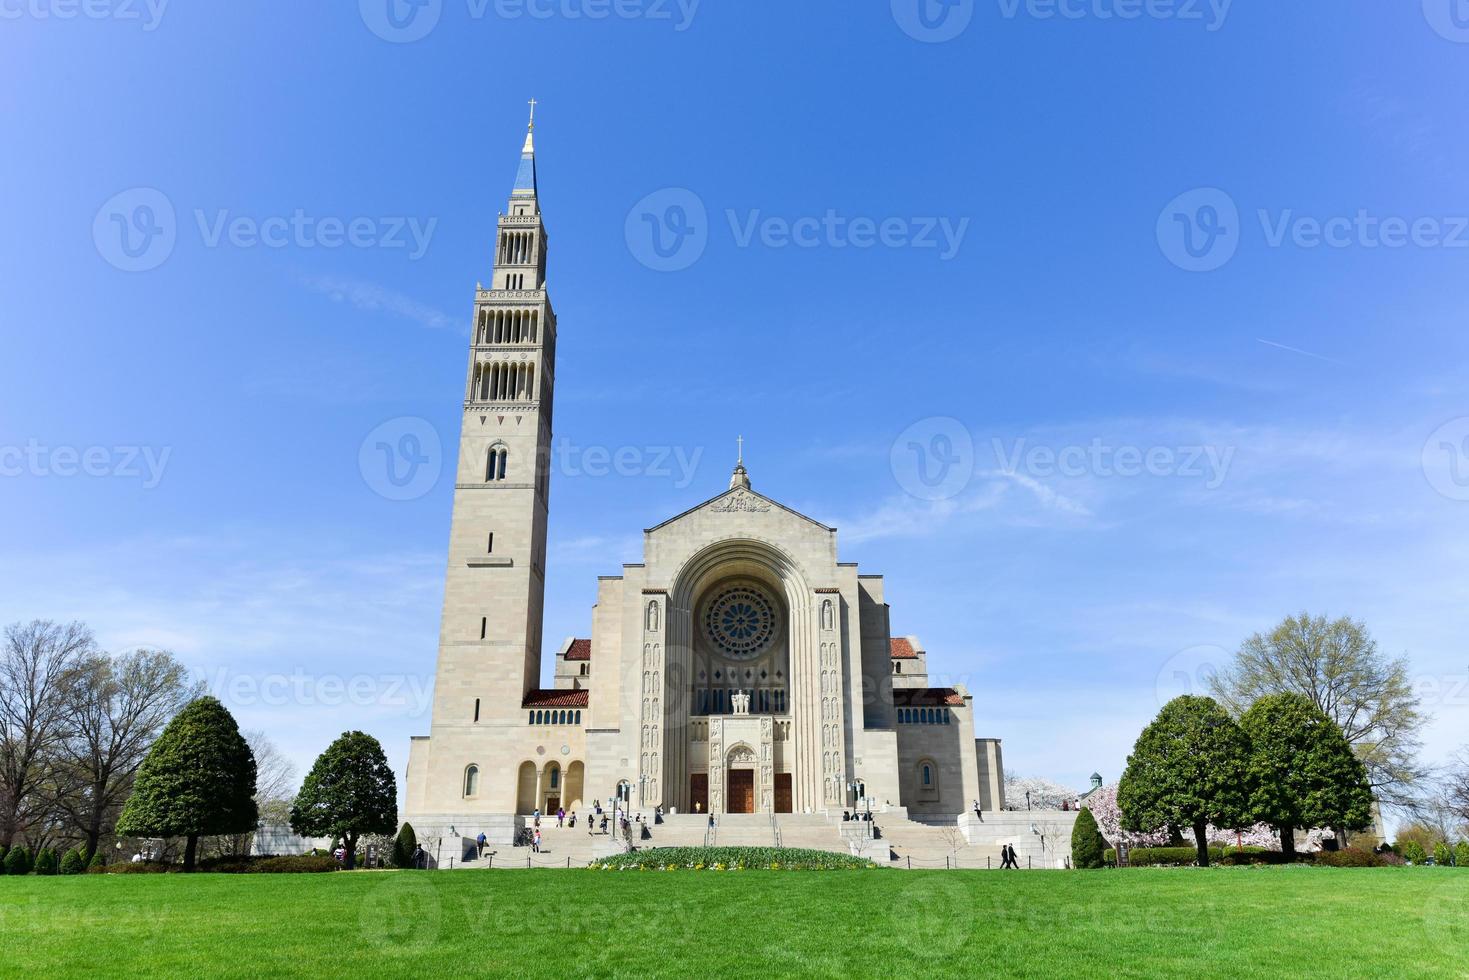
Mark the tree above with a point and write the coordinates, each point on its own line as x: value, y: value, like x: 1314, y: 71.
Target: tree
x: 115, y: 708
x: 74, y: 862
x: 1336, y: 665
x: 1186, y: 771
x: 17, y: 861
x: 1103, y: 805
x: 1301, y: 771
x: 198, y: 779
x: 404, y: 845
x: 36, y: 662
x: 349, y: 791
x: 1087, y: 845
x: 46, y: 863
x: 1413, y: 852
x: 1036, y: 791
x: 1456, y: 787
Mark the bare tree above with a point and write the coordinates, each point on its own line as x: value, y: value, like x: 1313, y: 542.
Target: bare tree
x: 1336, y: 663
x: 115, y: 709
x: 953, y: 839
x: 1455, y: 792
x: 36, y: 664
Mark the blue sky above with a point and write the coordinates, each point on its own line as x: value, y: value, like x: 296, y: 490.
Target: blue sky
x: 1187, y: 418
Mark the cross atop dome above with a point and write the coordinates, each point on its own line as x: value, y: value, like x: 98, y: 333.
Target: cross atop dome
x: 740, y: 479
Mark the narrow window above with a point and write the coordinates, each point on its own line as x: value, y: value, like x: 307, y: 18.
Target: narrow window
x: 484, y: 626
x: 927, y: 776
x: 476, y: 709
x: 578, y: 717
x: 555, y: 778
x: 490, y: 545
x: 471, y: 781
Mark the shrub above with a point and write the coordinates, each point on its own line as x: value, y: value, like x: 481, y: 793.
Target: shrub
x: 1443, y: 855
x: 1351, y: 857
x: 403, y: 847
x: 46, y: 863
x: 17, y: 861
x: 1413, y: 852
x: 1461, y: 854
x: 97, y: 865
x: 1157, y: 856
x: 305, y: 863
x: 730, y: 859
x: 1087, y: 844
x: 74, y: 862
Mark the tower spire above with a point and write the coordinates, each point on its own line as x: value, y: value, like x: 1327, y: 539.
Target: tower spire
x: 740, y: 478
x: 525, y: 177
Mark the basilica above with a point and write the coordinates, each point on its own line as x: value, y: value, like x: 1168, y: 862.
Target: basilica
x: 740, y: 667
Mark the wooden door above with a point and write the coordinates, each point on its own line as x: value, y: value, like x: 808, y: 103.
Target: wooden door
x: 699, y: 792
x: 783, y: 793
x: 742, y: 791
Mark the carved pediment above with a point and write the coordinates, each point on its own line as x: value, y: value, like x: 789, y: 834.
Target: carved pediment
x: 740, y: 502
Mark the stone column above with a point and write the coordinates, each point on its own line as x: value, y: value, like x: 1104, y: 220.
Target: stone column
x: 540, y: 787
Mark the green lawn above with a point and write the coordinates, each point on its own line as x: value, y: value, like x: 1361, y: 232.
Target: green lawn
x: 851, y: 924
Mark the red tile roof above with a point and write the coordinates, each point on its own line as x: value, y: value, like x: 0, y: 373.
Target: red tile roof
x: 579, y: 650
x: 555, y: 699
x: 901, y: 649
x: 905, y: 697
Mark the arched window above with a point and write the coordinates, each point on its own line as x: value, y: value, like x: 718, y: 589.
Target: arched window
x: 897, y: 667
x: 471, y: 780
x: 927, y: 774
x: 496, y: 462
x: 555, y: 777
x: 578, y: 718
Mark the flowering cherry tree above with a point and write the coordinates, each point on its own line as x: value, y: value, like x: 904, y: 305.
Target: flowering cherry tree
x: 1103, y: 804
x: 1045, y: 794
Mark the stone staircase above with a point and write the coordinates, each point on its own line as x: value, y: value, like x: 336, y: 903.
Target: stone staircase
x: 920, y: 845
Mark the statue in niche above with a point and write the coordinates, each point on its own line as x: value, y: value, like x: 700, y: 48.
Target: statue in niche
x: 740, y: 701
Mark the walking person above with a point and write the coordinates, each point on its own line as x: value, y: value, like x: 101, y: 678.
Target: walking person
x: 560, y: 816
x: 535, y: 842
x: 479, y: 844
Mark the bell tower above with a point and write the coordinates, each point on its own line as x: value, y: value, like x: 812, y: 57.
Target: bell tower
x: 494, y: 589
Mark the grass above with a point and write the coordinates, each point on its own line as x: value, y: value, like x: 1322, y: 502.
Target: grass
x: 1245, y: 922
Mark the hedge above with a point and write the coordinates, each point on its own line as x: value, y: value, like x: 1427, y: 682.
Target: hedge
x: 730, y: 859
x: 74, y: 862
x: 17, y: 861
x: 1153, y: 856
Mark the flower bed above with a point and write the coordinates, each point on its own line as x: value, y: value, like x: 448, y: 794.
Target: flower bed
x: 730, y: 859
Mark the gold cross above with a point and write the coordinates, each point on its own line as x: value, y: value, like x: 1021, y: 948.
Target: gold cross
x: 532, y: 114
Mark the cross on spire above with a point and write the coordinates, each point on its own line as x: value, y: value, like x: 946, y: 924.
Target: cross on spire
x: 741, y: 441
x: 532, y: 115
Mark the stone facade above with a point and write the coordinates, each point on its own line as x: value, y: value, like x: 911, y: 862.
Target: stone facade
x: 739, y: 667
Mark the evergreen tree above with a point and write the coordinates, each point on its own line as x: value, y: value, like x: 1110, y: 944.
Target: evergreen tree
x: 1302, y: 771
x: 45, y: 862
x: 404, y: 845
x: 17, y: 861
x: 349, y: 791
x: 74, y: 863
x: 1186, y: 771
x: 198, y: 780
x: 97, y: 863
x: 1087, y: 844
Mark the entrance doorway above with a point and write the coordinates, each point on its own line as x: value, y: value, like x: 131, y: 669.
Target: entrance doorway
x: 783, y: 793
x: 741, y: 791
x: 699, y: 792
x: 553, y: 803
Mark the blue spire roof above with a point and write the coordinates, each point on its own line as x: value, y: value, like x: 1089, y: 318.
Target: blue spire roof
x: 525, y: 177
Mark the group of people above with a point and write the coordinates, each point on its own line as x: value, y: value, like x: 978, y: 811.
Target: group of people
x: 1008, y: 858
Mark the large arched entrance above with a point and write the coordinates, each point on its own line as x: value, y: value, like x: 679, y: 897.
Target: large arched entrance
x: 740, y: 780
